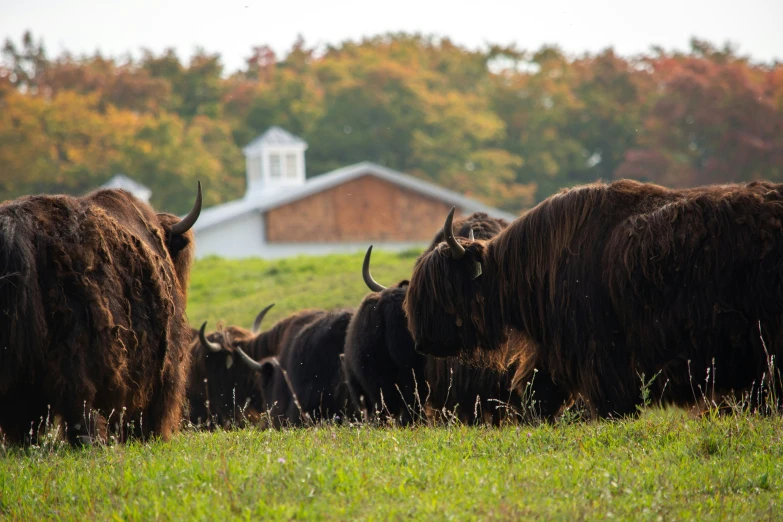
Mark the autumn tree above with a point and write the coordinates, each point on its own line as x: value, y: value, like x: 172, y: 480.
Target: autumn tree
x: 505, y: 125
x: 718, y: 119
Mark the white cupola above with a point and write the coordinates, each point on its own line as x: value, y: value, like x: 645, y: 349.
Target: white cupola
x: 274, y: 161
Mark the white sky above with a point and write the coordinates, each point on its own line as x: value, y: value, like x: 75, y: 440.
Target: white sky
x: 232, y: 27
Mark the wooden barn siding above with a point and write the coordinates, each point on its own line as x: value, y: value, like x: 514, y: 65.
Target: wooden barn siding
x: 363, y: 209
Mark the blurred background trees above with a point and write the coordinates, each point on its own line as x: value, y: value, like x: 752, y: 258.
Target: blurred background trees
x: 503, y: 125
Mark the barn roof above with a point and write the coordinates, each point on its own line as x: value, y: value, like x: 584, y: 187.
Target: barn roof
x: 228, y: 211
x: 276, y: 136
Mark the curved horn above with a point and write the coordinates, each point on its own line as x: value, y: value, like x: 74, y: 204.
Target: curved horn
x: 215, y: 347
x: 457, y: 250
x: 253, y: 364
x: 189, y: 220
x: 260, y: 317
x: 371, y: 283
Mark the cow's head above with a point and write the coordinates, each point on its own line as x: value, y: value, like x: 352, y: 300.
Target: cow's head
x: 230, y: 381
x: 445, y: 303
x: 267, y: 371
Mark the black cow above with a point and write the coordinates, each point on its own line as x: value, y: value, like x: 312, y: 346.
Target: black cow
x: 222, y: 389
x: 304, y: 383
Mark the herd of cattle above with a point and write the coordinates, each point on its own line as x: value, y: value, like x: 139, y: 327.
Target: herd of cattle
x: 610, y: 294
x: 317, y: 365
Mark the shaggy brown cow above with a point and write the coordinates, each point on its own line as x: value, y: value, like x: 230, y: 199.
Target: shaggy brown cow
x: 92, y: 314
x: 606, y: 283
x: 222, y: 389
x: 385, y: 373
x: 306, y: 378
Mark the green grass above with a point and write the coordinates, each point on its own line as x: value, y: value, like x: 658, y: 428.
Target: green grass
x: 661, y: 466
x: 235, y: 291
x: 664, y: 465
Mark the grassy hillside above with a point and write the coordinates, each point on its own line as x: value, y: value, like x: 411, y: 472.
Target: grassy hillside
x: 664, y: 465
x: 235, y: 291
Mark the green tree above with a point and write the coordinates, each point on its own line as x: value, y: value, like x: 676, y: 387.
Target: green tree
x: 500, y: 124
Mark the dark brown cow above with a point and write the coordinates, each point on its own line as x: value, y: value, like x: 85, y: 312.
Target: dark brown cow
x: 92, y: 314
x: 606, y: 283
x: 305, y: 383
x: 222, y: 389
x: 384, y: 372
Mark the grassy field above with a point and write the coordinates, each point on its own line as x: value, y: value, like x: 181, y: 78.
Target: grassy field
x: 235, y: 291
x: 664, y: 465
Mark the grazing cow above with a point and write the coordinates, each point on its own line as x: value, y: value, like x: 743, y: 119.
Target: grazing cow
x: 385, y: 373
x: 223, y: 391
x: 306, y: 378
x: 92, y: 314
x: 607, y: 284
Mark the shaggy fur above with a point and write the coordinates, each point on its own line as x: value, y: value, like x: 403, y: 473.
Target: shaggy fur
x: 92, y: 314
x: 309, y: 368
x: 385, y: 373
x: 222, y: 390
x: 605, y: 283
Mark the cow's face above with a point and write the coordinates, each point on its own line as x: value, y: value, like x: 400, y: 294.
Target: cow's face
x: 270, y: 390
x: 445, y: 303
x: 441, y: 305
x: 232, y: 384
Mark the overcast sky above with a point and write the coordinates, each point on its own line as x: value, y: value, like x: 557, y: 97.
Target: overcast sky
x: 232, y: 27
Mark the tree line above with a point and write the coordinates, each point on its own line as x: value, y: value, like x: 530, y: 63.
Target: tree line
x: 503, y: 125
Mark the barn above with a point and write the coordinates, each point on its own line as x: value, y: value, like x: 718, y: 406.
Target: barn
x: 284, y: 213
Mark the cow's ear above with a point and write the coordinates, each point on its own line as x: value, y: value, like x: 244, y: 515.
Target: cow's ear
x: 177, y: 244
x: 268, y: 367
x: 476, y: 270
x: 474, y: 260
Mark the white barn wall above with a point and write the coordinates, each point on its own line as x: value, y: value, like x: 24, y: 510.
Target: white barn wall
x: 240, y: 237
x: 243, y: 237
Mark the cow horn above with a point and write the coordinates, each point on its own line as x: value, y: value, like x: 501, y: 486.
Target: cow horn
x: 215, y: 347
x: 188, y: 221
x: 457, y: 250
x: 471, y: 236
x: 260, y: 317
x: 253, y: 364
x: 371, y: 283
